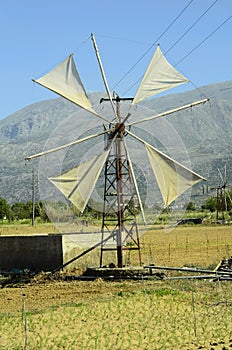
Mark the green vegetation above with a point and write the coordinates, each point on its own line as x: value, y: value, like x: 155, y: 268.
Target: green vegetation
x: 186, y: 315
x: 212, y: 210
x: 20, y: 211
x: 5, y: 211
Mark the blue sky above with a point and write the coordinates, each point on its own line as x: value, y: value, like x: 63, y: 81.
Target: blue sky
x: 36, y: 35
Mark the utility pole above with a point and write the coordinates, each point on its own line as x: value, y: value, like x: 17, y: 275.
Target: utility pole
x: 33, y: 197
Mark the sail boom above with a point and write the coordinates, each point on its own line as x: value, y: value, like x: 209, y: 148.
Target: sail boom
x: 136, y: 188
x: 171, y: 111
x: 103, y: 73
x: 65, y: 146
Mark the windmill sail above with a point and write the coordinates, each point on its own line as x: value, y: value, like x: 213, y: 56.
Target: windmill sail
x: 65, y: 81
x: 159, y: 76
x: 173, y: 178
x: 78, y: 183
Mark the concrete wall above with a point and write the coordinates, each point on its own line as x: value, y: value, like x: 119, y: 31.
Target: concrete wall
x: 74, y: 244
x: 37, y: 252
x: 47, y: 252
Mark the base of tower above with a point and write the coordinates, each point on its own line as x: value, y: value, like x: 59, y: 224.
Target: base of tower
x: 114, y: 273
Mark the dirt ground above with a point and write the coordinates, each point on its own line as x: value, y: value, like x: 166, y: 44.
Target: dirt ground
x: 131, y: 315
x: 183, y: 246
x: 42, y: 293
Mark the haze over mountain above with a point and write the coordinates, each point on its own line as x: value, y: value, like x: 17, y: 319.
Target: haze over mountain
x: 200, y: 135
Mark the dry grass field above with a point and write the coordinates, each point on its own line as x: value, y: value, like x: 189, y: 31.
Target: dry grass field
x: 199, y: 245
x: 124, y: 315
x: 26, y: 229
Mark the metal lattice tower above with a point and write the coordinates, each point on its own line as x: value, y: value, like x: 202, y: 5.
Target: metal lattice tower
x: 119, y: 208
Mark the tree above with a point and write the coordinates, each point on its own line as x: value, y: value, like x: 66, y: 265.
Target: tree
x: 190, y: 206
x: 210, y: 204
x: 5, y: 211
x: 41, y: 212
x: 18, y: 211
x: 22, y: 210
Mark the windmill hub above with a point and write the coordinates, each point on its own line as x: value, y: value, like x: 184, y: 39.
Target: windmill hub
x: 120, y: 128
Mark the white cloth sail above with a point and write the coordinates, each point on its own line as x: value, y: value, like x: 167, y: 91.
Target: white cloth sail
x: 65, y: 81
x: 159, y: 76
x: 173, y: 178
x: 78, y: 183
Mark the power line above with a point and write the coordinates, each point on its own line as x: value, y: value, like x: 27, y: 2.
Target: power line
x: 204, y: 40
x: 146, y: 52
x: 178, y: 40
x: 171, y: 24
x: 188, y: 30
x: 190, y: 52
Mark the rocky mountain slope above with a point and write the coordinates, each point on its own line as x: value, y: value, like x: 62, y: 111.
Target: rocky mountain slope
x: 199, y: 137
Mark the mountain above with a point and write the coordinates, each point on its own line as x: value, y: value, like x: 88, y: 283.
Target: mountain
x: 199, y: 137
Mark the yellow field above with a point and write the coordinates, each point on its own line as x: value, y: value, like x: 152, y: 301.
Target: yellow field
x: 187, y: 245
x: 197, y: 245
x: 26, y: 229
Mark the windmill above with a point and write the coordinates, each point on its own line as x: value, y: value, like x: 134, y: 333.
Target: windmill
x: 121, y: 191
x: 221, y: 194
